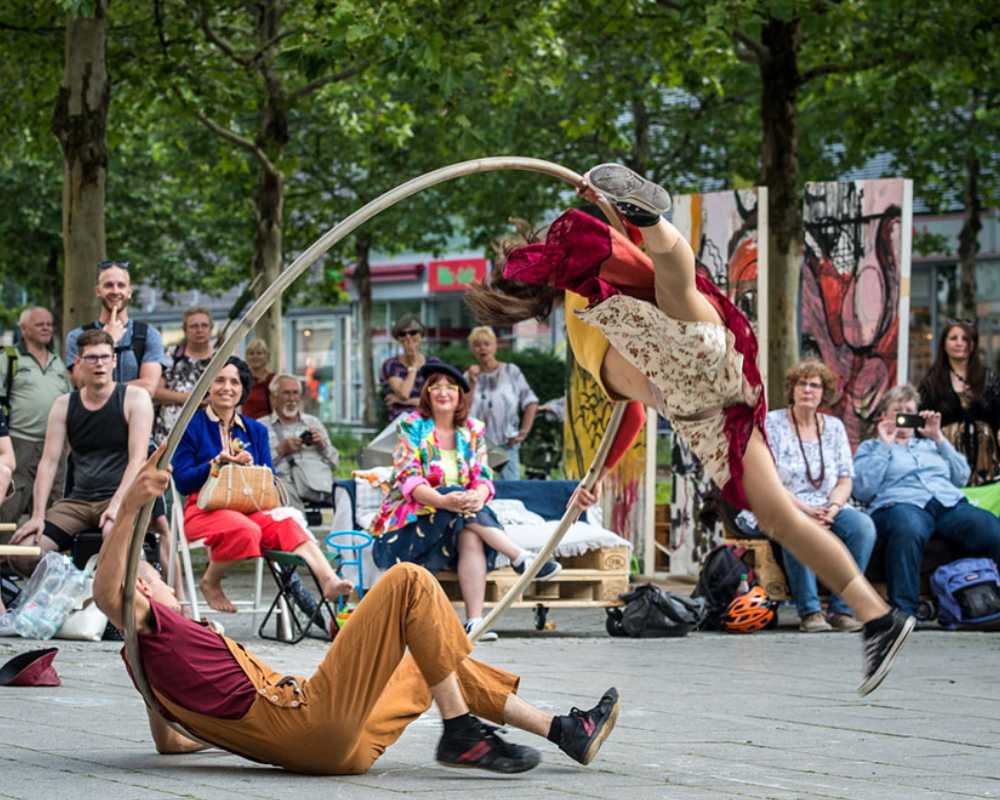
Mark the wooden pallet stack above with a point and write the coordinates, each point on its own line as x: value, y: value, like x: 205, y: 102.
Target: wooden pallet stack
x: 593, y: 579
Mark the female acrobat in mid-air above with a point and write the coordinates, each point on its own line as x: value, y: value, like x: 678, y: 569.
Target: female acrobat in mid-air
x: 656, y: 331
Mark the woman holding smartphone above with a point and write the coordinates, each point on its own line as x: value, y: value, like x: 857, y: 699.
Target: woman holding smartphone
x: 911, y: 476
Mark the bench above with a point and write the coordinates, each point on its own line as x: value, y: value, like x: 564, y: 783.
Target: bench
x: 589, y: 579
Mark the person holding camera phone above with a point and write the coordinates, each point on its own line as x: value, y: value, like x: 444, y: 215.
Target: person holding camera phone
x: 301, y: 452
x: 912, y: 477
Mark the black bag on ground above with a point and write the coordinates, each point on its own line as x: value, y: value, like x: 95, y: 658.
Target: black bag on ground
x: 719, y: 581
x: 651, y: 613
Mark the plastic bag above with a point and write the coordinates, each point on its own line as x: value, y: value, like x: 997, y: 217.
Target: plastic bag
x: 650, y: 612
x: 54, y: 589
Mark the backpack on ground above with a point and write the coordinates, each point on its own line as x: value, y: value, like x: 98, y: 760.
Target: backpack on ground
x: 967, y: 592
x: 652, y: 613
x: 719, y: 582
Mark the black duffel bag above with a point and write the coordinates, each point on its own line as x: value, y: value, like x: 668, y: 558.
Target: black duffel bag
x: 650, y: 612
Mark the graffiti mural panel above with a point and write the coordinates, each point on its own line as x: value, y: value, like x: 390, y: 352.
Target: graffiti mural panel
x: 855, y: 290
x: 728, y: 231
x: 587, y: 415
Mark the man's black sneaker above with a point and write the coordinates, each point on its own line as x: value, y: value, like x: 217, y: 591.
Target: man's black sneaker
x: 640, y: 201
x: 882, y: 639
x: 583, y: 732
x: 482, y: 748
x: 549, y: 569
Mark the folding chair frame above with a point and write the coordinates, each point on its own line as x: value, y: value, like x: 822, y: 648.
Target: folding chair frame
x: 283, y: 567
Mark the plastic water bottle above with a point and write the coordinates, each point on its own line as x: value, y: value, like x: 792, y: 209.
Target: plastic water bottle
x: 744, y: 586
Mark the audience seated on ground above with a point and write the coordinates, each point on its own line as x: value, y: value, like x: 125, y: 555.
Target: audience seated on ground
x: 911, y: 477
x: 218, y: 435
x: 301, y: 451
x: 107, y: 426
x: 436, y: 513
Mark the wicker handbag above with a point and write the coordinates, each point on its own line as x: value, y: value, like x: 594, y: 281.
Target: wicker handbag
x: 241, y: 488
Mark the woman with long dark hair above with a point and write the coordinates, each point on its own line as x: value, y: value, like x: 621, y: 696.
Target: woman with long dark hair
x: 967, y: 396
x: 654, y: 330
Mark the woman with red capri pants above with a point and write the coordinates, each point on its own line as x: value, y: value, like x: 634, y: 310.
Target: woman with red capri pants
x: 216, y: 435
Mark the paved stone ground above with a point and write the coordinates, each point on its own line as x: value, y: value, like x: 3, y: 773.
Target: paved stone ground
x: 773, y: 715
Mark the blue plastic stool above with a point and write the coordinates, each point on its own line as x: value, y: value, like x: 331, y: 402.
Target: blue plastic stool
x: 354, y: 548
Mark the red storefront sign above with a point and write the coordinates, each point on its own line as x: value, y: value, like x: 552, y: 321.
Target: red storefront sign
x: 454, y: 274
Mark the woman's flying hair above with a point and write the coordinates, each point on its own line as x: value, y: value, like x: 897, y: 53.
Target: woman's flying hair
x: 502, y: 302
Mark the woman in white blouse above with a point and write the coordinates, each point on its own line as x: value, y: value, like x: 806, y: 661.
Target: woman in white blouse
x: 814, y: 463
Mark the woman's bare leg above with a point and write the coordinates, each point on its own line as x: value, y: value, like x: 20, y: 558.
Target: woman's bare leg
x: 673, y: 260
x: 472, y: 573
x: 496, y: 539
x: 808, y: 541
x: 332, y: 584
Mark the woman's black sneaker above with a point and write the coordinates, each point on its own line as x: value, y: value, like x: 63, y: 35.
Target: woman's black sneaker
x: 882, y: 639
x: 482, y: 748
x: 583, y: 732
x: 640, y: 201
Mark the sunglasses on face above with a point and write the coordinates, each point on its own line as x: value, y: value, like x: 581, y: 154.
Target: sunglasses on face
x: 809, y: 385
x: 407, y: 334
x: 444, y: 387
x: 103, y: 265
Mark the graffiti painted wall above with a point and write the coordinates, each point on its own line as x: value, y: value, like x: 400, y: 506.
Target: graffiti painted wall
x: 855, y: 291
x: 587, y: 415
x: 728, y: 231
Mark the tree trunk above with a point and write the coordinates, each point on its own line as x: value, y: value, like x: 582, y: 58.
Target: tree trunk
x: 968, y: 241
x: 640, y: 151
x: 53, y: 295
x: 272, y: 137
x: 363, y: 283
x: 79, y: 122
x: 780, y: 81
x: 267, y: 259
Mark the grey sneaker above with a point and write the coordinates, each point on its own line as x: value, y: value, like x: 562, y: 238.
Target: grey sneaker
x: 814, y: 623
x: 882, y: 639
x: 844, y: 623
x: 640, y: 200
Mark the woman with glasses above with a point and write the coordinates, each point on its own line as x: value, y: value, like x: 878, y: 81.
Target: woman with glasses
x: 652, y: 329
x: 399, y: 376
x: 185, y: 364
x: 813, y: 456
x: 435, y: 513
x: 967, y: 396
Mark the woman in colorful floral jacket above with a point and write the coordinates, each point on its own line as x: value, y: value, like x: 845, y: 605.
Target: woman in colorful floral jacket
x: 435, y: 513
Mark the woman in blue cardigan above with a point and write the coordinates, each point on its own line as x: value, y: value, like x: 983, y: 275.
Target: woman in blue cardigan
x: 230, y: 536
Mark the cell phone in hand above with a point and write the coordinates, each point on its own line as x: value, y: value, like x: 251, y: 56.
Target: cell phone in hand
x: 909, y: 421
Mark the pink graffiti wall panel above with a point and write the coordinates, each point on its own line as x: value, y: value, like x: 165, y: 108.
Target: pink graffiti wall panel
x: 853, y: 283
x: 723, y: 229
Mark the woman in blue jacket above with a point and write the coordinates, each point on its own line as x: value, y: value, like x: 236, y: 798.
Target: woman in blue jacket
x: 210, y: 441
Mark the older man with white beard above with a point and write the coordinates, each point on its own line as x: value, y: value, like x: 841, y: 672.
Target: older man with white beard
x: 300, y: 449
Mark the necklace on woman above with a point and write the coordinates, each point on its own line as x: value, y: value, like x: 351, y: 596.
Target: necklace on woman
x: 961, y: 378
x: 815, y: 482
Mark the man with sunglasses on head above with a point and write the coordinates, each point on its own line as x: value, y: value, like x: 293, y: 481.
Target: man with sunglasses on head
x: 107, y: 426
x: 138, y: 346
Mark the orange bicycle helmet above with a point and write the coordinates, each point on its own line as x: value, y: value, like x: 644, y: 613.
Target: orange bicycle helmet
x: 749, y: 612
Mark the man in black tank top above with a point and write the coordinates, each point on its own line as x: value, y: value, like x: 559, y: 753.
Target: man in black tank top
x: 108, y: 427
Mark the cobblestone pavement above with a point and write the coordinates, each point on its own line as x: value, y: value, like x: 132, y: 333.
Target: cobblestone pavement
x: 773, y: 715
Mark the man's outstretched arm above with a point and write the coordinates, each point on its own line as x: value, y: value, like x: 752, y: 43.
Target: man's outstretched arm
x: 109, y: 578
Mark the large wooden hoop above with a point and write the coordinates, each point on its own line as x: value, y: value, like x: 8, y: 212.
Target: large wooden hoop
x: 267, y: 299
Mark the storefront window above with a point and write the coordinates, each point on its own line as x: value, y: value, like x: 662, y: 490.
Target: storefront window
x: 314, y: 359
